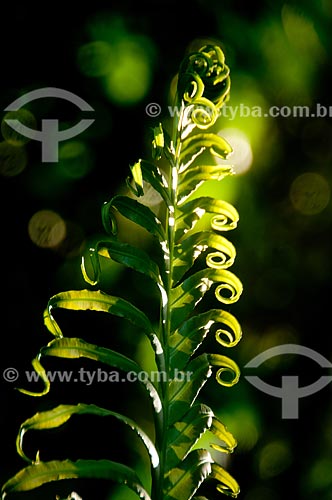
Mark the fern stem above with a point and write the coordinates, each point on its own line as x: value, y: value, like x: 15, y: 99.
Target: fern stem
x: 166, y: 308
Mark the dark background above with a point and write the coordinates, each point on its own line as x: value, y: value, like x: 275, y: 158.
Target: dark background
x: 278, y: 56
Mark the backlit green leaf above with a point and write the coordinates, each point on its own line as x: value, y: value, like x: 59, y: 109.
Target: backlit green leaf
x: 193, y: 177
x: 225, y: 365
x: 226, y: 216
x: 199, y: 142
x: 219, y: 430
x: 134, y: 211
x: 192, y: 246
x: 134, y: 258
x: 38, y: 474
x: 185, y: 432
x: 61, y: 414
x: 182, y: 393
x: 185, y: 341
x: 125, y: 254
x: 137, y: 177
x: 226, y: 483
x: 38, y: 367
x: 183, y: 481
x: 155, y: 178
x: 158, y: 142
x: 185, y: 296
x: 74, y: 348
x: 83, y: 300
x: 207, y: 69
x: 189, y: 336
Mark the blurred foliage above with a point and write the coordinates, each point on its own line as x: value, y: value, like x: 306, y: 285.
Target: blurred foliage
x: 280, y: 55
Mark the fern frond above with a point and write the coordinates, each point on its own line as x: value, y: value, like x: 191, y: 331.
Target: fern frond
x: 179, y: 468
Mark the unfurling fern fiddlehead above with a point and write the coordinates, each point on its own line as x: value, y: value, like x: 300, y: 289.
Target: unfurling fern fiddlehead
x: 178, y: 467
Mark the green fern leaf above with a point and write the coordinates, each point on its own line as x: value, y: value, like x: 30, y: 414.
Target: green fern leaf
x: 191, y: 247
x: 150, y: 173
x: 58, y: 416
x: 193, y: 177
x: 179, y: 467
x: 125, y: 254
x: 74, y: 348
x: 83, y: 300
x: 188, y: 337
x: 186, y: 296
x: 225, y: 215
x: 195, y: 145
x: 41, y: 473
x: 184, y: 480
x: 134, y: 211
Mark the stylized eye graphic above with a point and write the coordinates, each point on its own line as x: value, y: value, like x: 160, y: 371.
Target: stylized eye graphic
x: 49, y: 135
x: 289, y: 392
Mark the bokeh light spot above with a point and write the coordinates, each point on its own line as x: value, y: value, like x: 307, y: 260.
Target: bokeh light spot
x: 243, y: 422
x: 75, y: 159
x: 13, y: 159
x: 274, y: 458
x: 47, y: 229
x: 129, y: 79
x: 10, y: 135
x: 310, y: 193
x: 301, y: 32
x: 242, y: 156
x: 122, y: 59
x: 94, y: 58
x: 320, y: 474
x: 286, y: 66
